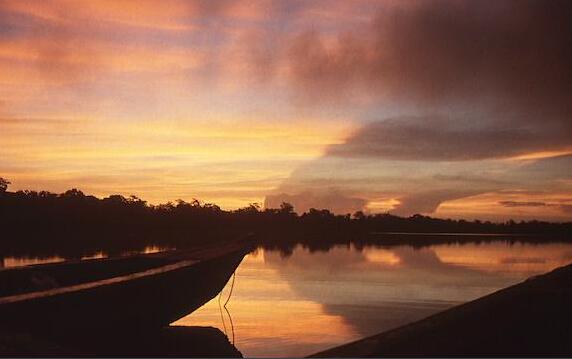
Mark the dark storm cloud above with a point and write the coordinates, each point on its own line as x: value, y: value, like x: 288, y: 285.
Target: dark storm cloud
x: 437, y: 138
x: 504, y: 64
x: 321, y: 73
x: 556, y: 168
x: 481, y: 81
x: 566, y: 208
x: 522, y: 204
x: 438, y: 51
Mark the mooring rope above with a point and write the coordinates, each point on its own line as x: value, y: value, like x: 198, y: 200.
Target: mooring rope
x: 221, y: 315
x: 226, y: 309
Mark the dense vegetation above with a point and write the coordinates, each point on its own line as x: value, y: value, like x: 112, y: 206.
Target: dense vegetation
x: 72, y: 224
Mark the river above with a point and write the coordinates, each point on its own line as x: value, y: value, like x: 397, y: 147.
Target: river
x: 298, y: 304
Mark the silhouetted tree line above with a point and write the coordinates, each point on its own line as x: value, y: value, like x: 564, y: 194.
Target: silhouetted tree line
x: 72, y: 224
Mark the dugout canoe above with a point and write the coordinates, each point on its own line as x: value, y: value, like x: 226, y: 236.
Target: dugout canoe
x: 139, y: 291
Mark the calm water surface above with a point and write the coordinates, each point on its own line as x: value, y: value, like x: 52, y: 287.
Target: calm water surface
x: 310, y: 301
x: 8, y: 262
x: 307, y: 302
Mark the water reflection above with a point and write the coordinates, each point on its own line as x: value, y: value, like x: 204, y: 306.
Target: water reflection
x: 8, y: 262
x: 296, y: 305
x: 26, y: 261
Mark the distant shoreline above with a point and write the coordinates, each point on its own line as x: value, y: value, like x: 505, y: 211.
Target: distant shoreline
x: 74, y: 225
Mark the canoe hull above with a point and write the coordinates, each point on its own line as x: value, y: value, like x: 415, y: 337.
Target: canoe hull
x: 147, y: 302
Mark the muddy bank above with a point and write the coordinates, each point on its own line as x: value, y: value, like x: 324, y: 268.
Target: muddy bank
x: 533, y: 318
x: 173, y: 341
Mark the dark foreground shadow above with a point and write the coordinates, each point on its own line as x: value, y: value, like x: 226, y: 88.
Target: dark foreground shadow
x: 530, y: 319
x: 173, y: 341
x: 117, y: 307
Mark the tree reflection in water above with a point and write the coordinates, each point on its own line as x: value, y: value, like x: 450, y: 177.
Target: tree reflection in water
x: 308, y: 300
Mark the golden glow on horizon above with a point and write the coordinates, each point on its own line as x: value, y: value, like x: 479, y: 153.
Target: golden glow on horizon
x: 229, y: 162
x: 488, y: 206
x: 543, y: 154
x: 382, y: 206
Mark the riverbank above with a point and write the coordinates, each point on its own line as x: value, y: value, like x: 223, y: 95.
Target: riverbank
x: 533, y: 318
x: 172, y: 341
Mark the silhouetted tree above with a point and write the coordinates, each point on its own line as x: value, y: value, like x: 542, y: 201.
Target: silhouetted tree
x: 3, y: 184
x: 73, y: 193
x: 286, y: 208
x: 73, y: 223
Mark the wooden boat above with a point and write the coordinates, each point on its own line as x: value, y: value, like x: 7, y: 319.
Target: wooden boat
x: 141, y: 291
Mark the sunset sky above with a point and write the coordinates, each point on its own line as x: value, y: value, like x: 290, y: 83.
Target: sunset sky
x: 449, y: 108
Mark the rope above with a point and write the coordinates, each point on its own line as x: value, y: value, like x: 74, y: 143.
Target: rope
x: 226, y: 309
x: 231, y: 288
x: 221, y: 315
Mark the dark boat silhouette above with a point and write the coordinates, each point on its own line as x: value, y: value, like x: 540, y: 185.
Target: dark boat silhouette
x: 141, y: 292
